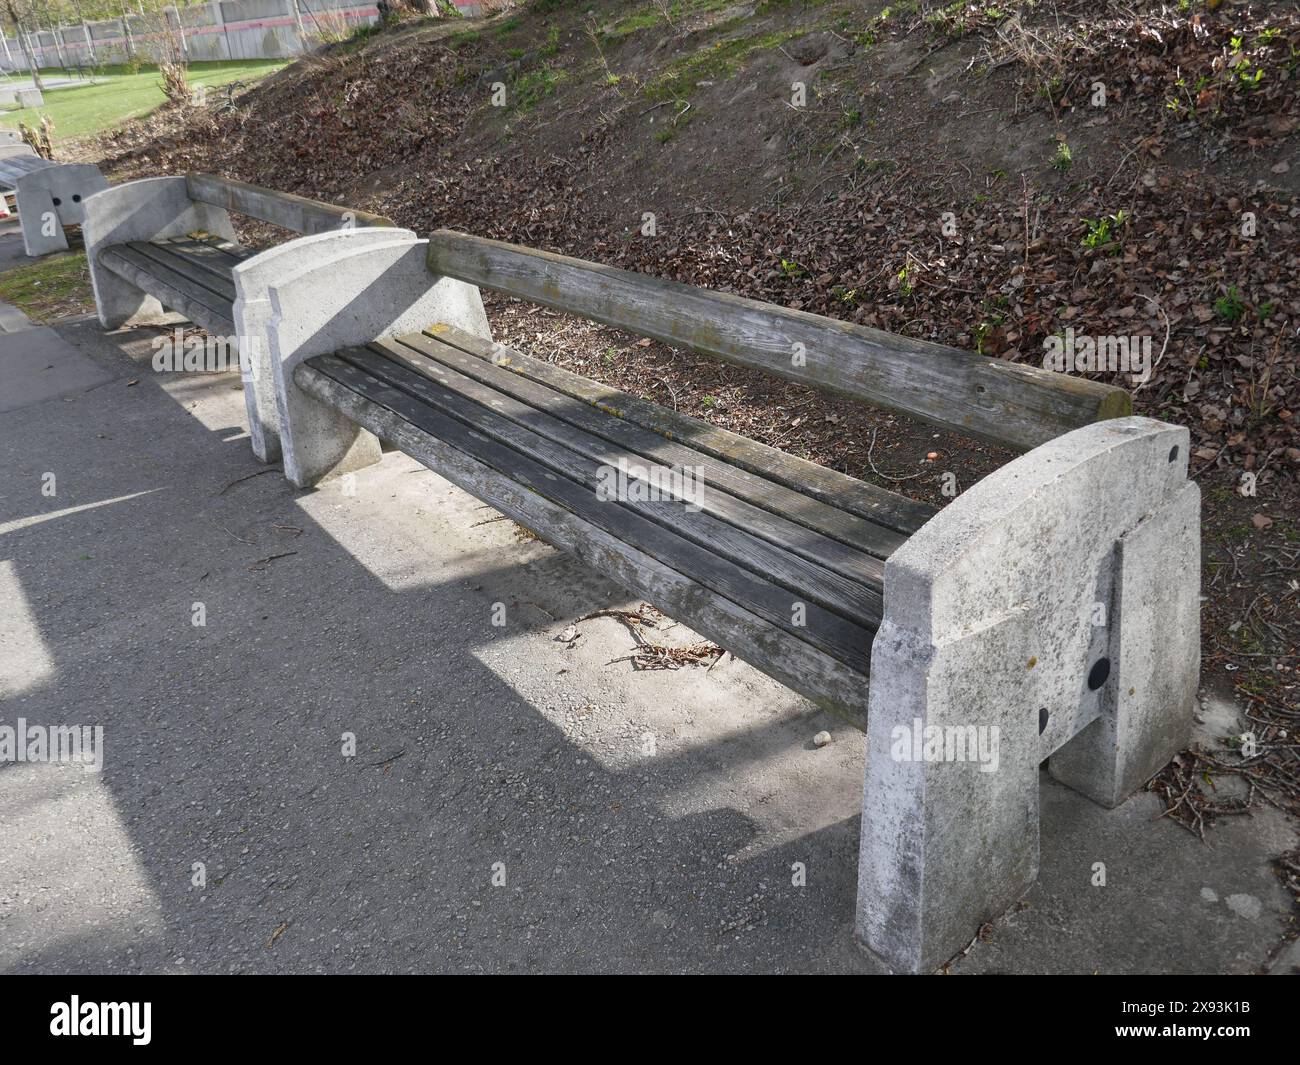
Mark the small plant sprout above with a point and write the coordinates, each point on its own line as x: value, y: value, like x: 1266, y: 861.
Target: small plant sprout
x: 1063, y: 159
x: 1101, y: 232
x: 1230, y: 306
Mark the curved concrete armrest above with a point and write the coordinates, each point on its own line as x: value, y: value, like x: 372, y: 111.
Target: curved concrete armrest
x: 149, y: 209
x: 351, y: 292
x: 50, y: 198
x: 252, y: 313
x: 1052, y: 609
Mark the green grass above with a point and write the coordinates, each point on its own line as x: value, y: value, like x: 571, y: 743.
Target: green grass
x: 53, y: 288
x: 720, y: 60
x: 531, y: 86
x: 83, y: 109
x: 678, y: 11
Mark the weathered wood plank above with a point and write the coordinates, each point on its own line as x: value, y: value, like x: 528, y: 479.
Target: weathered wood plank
x: 226, y: 247
x: 1013, y: 405
x: 283, y: 209
x: 15, y: 166
x: 845, y: 640
x: 213, y: 254
x: 793, y: 662
x: 579, y: 456
x: 838, y: 490
x: 731, y: 494
x: 174, y: 291
x: 218, y: 282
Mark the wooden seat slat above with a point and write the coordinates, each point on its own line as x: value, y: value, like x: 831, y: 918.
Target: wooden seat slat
x: 15, y: 166
x: 218, y: 282
x: 171, y: 288
x: 842, y: 541
x: 426, y: 406
x: 209, y: 253
x: 581, y: 456
x: 878, y: 506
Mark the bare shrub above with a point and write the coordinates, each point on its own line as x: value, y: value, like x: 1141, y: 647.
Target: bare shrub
x: 175, y: 82
x: 329, y: 27
x: 41, y: 139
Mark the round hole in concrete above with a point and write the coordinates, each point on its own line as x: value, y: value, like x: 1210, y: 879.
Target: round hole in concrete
x: 1098, y: 674
x: 1043, y: 715
x: 57, y: 201
x: 1173, y: 453
x: 76, y: 197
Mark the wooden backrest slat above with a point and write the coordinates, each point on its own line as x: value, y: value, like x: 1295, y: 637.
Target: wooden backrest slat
x: 1006, y: 403
x: 279, y: 208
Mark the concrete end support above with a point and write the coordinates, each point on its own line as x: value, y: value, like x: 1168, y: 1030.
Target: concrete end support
x: 252, y: 313
x: 1051, y: 610
x: 1156, y: 664
x: 51, y: 198
x: 149, y: 209
x: 38, y: 218
x: 356, y: 292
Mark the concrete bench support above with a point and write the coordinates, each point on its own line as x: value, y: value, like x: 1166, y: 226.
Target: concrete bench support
x: 252, y: 312
x: 149, y: 209
x: 354, y: 292
x: 52, y: 198
x: 1051, y: 610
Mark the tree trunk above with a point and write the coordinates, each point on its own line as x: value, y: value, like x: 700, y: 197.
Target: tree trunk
x: 25, y: 41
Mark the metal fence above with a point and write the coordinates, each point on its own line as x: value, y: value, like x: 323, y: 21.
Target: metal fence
x: 220, y: 29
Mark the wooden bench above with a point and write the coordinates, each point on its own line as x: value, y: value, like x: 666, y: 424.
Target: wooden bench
x: 46, y: 195
x: 1050, y: 610
x: 168, y: 244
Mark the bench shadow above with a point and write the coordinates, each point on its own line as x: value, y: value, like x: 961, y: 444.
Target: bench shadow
x: 224, y: 744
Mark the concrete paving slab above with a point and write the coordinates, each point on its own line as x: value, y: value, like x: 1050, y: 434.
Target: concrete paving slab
x: 12, y: 320
x: 12, y: 252
x: 37, y: 365
x: 640, y: 821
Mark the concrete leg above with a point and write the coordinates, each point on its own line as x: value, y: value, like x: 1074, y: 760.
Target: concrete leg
x: 252, y: 313
x: 150, y: 209
x: 1012, y: 619
x: 39, y: 220
x: 118, y: 301
x: 355, y: 292
x: 54, y: 197
x: 1155, y: 659
x: 946, y: 843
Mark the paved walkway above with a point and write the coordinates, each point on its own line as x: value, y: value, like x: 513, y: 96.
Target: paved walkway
x: 482, y: 751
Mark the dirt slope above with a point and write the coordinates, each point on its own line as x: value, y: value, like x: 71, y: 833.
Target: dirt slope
x: 836, y: 205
